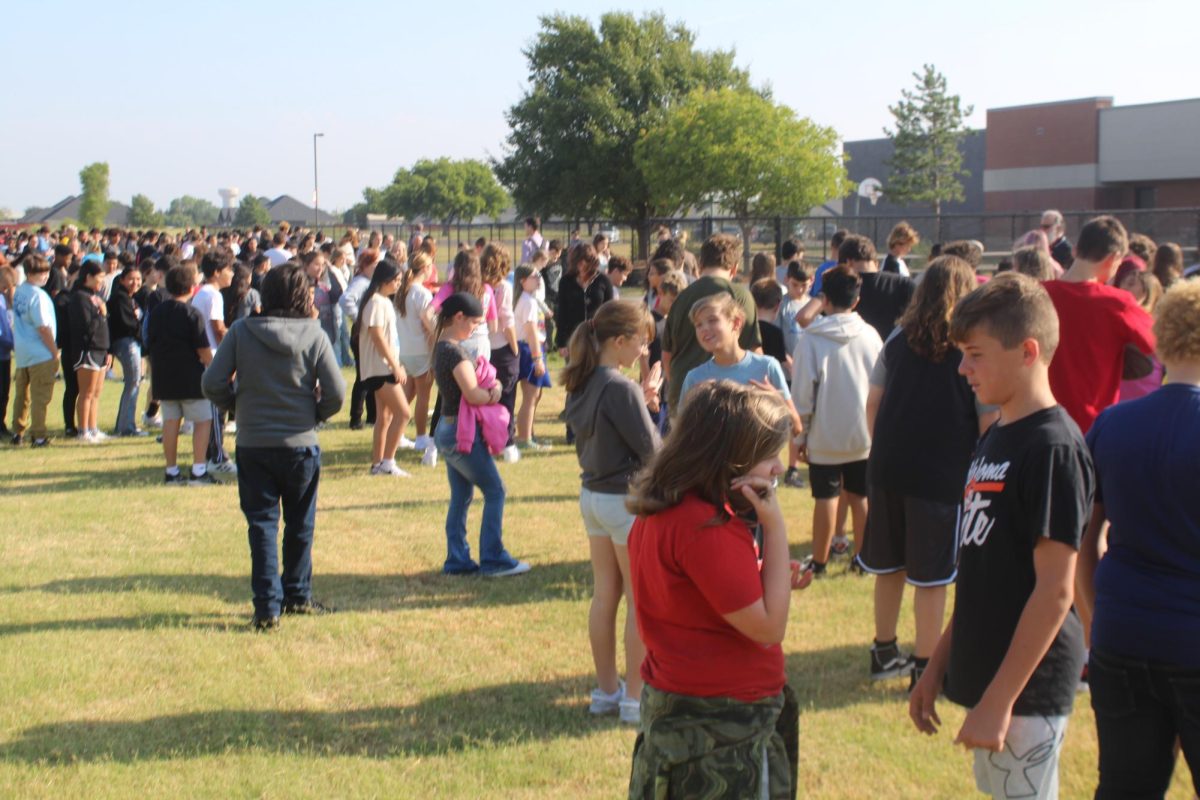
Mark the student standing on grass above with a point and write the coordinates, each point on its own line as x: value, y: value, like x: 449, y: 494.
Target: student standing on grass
x: 716, y: 712
x: 924, y: 423
x: 1144, y: 668
x: 830, y: 383
x: 351, y: 299
x: 217, y: 269
x: 125, y: 334
x: 179, y: 351
x: 8, y: 287
x: 88, y: 317
x: 1013, y: 650
x: 532, y: 374
x: 382, y: 372
x: 288, y: 381
x: 35, y: 353
x: 414, y: 328
x: 505, y: 356
x: 460, y: 315
x: 614, y: 438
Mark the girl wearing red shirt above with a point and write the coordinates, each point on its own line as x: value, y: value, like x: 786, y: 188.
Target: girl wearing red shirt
x: 715, y: 708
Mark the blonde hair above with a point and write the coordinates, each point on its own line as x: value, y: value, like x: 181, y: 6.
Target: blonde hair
x: 754, y: 426
x: 614, y: 318
x: 1177, y: 322
x: 416, y: 266
x: 721, y: 303
x: 673, y: 283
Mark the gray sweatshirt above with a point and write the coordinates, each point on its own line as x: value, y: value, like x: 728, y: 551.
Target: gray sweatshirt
x: 614, y: 436
x: 278, y: 362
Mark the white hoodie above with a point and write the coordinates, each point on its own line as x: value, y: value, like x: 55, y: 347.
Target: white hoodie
x: 830, y: 379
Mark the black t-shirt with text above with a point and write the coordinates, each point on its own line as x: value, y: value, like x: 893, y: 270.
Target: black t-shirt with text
x: 1030, y: 479
x: 173, y: 335
x: 882, y: 299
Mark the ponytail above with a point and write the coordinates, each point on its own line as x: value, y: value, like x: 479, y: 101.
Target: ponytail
x: 416, y: 266
x: 613, y: 319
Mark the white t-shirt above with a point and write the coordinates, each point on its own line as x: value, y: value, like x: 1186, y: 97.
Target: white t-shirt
x: 409, y: 330
x: 211, y: 305
x: 378, y: 313
x: 526, y: 311
x: 277, y: 256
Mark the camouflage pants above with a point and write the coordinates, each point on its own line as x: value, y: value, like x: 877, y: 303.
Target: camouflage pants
x: 705, y: 748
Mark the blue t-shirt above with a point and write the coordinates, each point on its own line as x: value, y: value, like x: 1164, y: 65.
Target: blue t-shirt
x: 1147, y: 455
x: 751, y: 367
x: 32, y: 309
x: 821, y: 270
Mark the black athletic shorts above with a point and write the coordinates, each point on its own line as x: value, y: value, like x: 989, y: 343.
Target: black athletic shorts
x: 828, y: 480
x: 912, y: 534
x: 377, y: 383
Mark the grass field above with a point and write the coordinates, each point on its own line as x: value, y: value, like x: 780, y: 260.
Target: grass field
x: 128, y: 668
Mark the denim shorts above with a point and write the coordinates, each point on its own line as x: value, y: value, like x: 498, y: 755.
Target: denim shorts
x: 605, y: 515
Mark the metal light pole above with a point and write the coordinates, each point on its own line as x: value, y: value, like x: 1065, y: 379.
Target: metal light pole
x: 316, y: 185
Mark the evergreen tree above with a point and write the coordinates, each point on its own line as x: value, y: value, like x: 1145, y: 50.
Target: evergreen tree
x: 926, y: 163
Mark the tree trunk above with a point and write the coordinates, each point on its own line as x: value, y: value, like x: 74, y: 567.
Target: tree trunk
x: 746, y: 226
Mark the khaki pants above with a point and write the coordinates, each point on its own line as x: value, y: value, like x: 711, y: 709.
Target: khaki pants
x: 33, y: 390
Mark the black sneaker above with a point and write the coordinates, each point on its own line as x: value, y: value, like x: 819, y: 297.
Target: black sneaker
x: 39, y: 442
x: 17, y: 439
x: 71, y: 433
x: 206, y: 479
x: 265, y: 624
x: 888, y: 662
x: 178, y: 479
x: 308, y: 608
x: 356, y: 425
x: 856, y: 567
x: 818, y: 569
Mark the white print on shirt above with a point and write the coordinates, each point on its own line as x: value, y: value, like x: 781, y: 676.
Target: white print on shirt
x: 974, y: 525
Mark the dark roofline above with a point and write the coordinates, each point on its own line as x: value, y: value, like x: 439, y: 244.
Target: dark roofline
x: 1074, y: 102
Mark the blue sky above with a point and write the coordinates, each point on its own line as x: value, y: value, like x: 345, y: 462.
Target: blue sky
x: 230, y: 93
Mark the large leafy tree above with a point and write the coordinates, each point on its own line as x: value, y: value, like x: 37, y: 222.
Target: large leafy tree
x: 926, y: 163
x: 251, y: 212
x: 142, y: 213
x: 445, y: 190
x: 188, y: 211
x: 93, y: 204
x: 754, y: 157
x: 592, y: 92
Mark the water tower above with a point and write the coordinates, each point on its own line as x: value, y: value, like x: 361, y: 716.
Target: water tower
x: 229, y: 197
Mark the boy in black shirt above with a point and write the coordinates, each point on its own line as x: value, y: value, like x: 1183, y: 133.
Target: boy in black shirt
x: 1013, y: 650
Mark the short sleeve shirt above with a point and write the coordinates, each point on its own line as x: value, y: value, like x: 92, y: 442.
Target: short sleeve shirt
x: 679, y: 335
x: 174, y: 332
x: 526, y: 312
x: 409, y: 330
x: 211, y: 305
x: 752, y: 367
x: 378, y: 313
x: 32, y: 309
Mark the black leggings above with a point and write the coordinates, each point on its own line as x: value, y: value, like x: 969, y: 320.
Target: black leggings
x: 70, y: 389
x: 358, y: 395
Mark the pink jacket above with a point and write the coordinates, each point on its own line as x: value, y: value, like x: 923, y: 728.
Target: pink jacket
x: 493, y: 417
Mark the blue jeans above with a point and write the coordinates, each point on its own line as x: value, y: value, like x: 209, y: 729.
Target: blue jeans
x: 129, y: 353
x: 1141, y: 708
x: 267, y: 478
x: 466, y: 471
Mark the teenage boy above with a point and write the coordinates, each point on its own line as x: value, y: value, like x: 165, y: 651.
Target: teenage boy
x: 1105, y: 333
x: 217, y: 269
x: 768, y: 298
x: 718, y: 320
x: 35, y: 353
x: 835, y: 246
x: 1013, y: 650
x: 792, y: 252
x: 619, y: 268
x: 720, y: 256
x: 830, y: 382
x: 533, y: 239
x: 799, y: 281
x: 179, y: 351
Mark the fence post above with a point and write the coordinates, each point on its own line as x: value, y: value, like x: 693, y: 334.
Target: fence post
x: 778, y: 239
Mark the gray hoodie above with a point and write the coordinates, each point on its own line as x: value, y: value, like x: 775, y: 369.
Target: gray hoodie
x: 614, y: 436
x: 831, y: 376
x: 278, y: 362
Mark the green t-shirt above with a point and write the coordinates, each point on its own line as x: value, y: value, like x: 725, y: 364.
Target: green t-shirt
x: 679, y: 334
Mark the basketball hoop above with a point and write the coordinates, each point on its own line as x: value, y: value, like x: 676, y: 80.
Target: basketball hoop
x: 871, y: 189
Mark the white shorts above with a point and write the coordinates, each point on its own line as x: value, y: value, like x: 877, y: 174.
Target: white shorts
x: 1027, y: 768
x: 191, y: 410
x: 605, y: 515
x: 415, y: 365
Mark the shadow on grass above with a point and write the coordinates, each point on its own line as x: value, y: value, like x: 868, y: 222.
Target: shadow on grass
x: 558, y: 581
x: 211, y: 622
x: 502, y: 715
x: 510, y: 500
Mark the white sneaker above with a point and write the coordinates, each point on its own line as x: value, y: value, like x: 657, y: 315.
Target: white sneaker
x: 423, y: 443
x: 389, y: 470
x: 151, y: 422
x: 231, y: 427
x: 430, y: 457
x: 226, y: 467
x: 96, y: 437
x: 631, y: 710
x: 607, y: 703
x: 407, y: 443
x: 520, y: 568
x: 511, y: 454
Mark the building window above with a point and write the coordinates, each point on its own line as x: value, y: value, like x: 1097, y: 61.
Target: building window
x: 1143, y: 197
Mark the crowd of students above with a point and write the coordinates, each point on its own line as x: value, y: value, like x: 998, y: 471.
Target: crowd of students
x: 942, y: 413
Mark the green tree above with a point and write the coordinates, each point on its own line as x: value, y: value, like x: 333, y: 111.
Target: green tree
x: 142, y: 213
x: 754, y: 157
x: 93, y: 204
x: 926, y: 162
x: 251, y: 212
x: 188, y: 212
x: 592, y: 92
x: 445, y: 190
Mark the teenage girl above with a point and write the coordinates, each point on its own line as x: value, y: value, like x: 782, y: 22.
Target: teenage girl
x: 505, y: 356
x: 382, y: 372
x: 716, y: 711
x: 89, y: 342
x: 1146, y: 290
x: 531, y: 348
x: 414, y: 304
x: 614, y: 438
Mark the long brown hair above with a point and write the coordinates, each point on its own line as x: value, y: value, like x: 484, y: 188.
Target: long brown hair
x: 494, y: 263
x: 613, y: 319
x: 583, y: 263
x: 926, y: 321
x: 754, y: 426
x: 416, y: 265
x: 468, y: 277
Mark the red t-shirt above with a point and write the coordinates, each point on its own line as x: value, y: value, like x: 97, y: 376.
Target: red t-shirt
x: 685, y: 577
x: 1095, y: 323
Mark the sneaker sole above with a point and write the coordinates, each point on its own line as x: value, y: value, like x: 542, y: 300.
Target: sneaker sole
x: 895, y: 672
